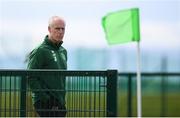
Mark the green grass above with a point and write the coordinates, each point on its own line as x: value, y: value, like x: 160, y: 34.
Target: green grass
x: 151, y: 105
x: 86, y: 102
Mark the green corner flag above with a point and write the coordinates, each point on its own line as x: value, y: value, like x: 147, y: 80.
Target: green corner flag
x: 122, y: 26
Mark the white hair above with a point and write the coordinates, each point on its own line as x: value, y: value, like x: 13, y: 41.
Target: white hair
x: 53, y: 18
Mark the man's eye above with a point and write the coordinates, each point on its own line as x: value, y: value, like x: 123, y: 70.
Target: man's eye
x: 59, y: 28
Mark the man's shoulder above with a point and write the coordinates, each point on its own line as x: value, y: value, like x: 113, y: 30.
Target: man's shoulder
x: 33, y: 52
x: 42, y: 47
x: 62, y: 48
x: 37, y: 50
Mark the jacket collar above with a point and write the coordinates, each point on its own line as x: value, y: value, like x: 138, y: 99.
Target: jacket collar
x: 50, y: 43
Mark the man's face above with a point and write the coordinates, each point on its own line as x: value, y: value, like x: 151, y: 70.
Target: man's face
x: 57, y: 30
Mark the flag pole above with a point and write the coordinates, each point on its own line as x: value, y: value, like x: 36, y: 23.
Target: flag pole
x: 139, y: 101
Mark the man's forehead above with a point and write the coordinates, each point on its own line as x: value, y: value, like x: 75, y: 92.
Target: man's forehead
x: 56, y: 21
x: 59, y: 25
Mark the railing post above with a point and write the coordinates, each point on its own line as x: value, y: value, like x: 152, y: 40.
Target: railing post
x: 163, y: 96
x: 129, y: 102
x: 112, y: 93
x: 23, y: 97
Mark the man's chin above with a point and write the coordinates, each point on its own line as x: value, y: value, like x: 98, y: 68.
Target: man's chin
x: 58, y: 41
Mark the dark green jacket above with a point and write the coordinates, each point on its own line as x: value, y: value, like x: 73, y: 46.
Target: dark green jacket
x: 48, y: 56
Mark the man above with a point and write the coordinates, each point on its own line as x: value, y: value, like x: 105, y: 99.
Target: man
x: 49, y: 55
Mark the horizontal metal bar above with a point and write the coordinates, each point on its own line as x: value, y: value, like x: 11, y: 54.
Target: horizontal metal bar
x: 150, y: 74
x: 82, y: 72
x: 45, y: 71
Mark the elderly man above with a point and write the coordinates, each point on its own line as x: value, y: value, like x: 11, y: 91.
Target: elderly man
x: 49, y: 55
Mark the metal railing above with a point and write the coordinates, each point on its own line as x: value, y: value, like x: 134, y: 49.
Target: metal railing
x: 88, y: 93
x: 160, y: 94
x: 95, y: 93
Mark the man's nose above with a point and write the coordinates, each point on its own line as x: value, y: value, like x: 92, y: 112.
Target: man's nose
x: 61, y: 30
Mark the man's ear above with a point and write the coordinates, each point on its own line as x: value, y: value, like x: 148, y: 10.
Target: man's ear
x: 49, y: 29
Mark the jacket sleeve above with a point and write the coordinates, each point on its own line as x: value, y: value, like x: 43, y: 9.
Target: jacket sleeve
x: 36, y: 62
